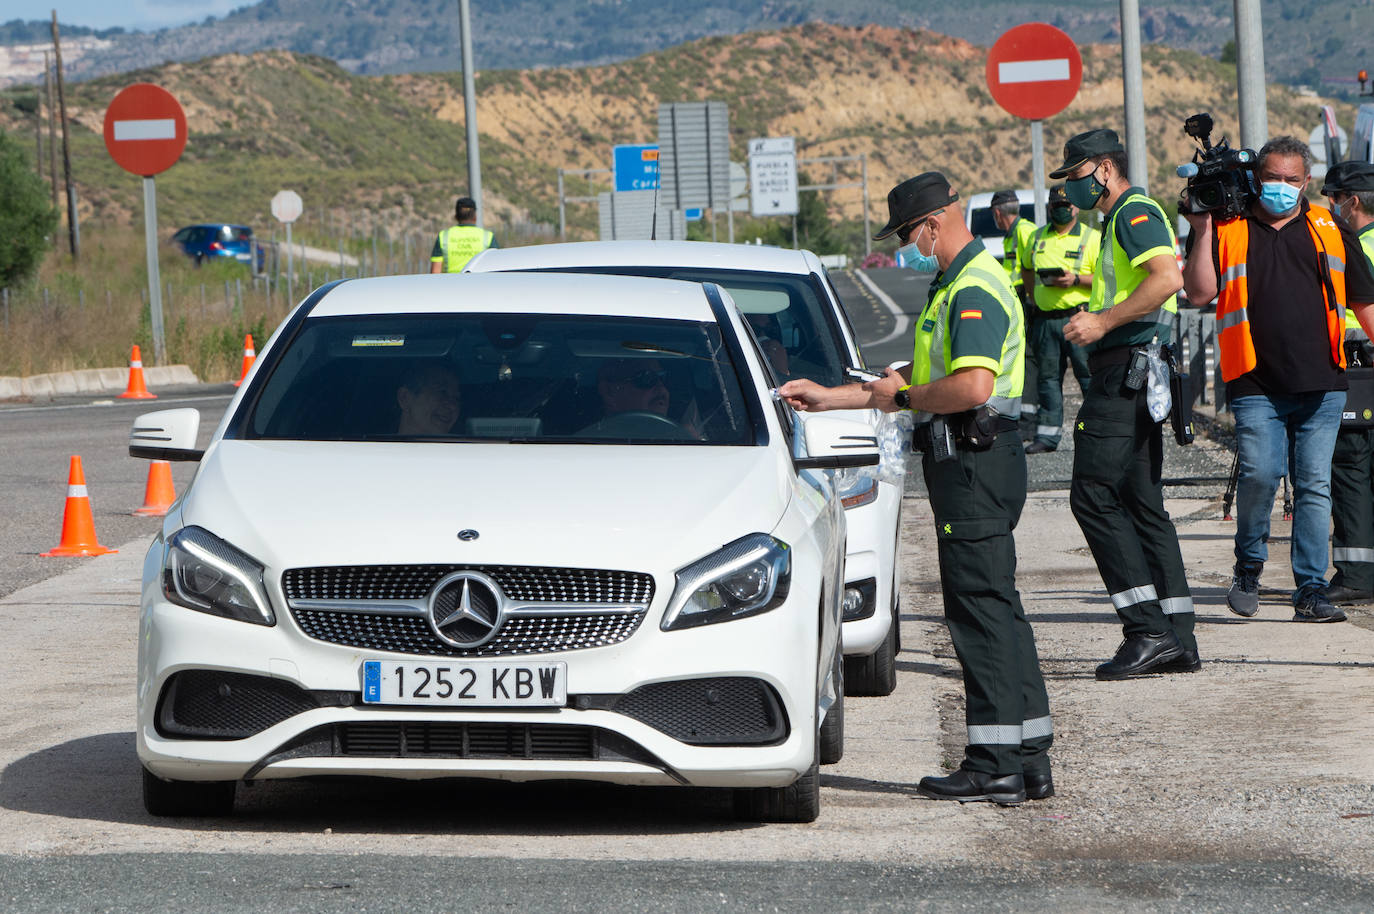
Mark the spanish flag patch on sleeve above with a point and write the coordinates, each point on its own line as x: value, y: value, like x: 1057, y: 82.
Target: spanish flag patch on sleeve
x: 970, y: 314
x: 1143, y: 217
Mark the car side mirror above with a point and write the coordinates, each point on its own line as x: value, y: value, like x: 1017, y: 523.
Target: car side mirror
x: 834, y: 444
x: 168, y: 434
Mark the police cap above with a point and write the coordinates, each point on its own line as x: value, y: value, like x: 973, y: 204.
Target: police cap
x: 1085, y: 146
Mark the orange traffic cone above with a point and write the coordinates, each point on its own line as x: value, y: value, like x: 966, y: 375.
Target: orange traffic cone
x: 137, y: 389
x: 78, y: 526
x: 159, y: 494
x: 248, y: 357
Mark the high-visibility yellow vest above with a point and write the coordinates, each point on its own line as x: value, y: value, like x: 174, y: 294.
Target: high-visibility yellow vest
x: 461, y: 243
x: 1234, y: 342
x: 1069, y: 251
x: 932, y: 355
x: 1117, y: 278
x: 1353, y: 330
x: 1013, y: 243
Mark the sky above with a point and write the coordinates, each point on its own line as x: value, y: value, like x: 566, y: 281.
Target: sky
x: 131, y: 14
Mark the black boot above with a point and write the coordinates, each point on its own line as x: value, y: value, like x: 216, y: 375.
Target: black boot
x: 974, y: 786
x: 1141, y: 654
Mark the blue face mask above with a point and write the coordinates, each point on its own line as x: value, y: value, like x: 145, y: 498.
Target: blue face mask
x: 1278, y: 197
x: 909, y: 255
x: 1336, y: 210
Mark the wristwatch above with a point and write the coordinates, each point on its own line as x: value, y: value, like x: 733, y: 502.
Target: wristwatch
x: 902, y: 398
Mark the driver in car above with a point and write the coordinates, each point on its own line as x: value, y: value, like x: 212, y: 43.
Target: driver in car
x: 430, y: 396
x: 633, y: 385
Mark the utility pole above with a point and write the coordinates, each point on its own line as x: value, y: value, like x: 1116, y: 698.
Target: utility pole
x: 1132, y: 83
x: 52, y: 128
x: 470, y: 110
x: 73, y: 226
x: 1254, y: 116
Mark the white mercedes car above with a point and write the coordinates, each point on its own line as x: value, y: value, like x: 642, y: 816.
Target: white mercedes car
x: 505, y: 526
x: 792, y: 306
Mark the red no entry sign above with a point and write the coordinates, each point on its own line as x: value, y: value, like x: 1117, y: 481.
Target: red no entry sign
x: 1034, y: 71
x: 145, y: 129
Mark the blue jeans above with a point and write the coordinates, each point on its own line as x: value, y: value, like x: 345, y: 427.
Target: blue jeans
x: 1275, y: 432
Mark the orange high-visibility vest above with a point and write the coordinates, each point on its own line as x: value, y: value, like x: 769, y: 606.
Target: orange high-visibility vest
x: 1233, y: 320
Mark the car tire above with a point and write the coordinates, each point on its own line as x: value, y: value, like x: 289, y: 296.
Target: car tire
x: 186, y: 798
x: 799, y: 801
x: 876, y: 673
x: 832, y: 728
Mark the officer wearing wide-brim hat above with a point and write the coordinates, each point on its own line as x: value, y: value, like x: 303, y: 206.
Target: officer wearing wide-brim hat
x: 1116, y: 494
x: 1350, y: 185
x: 964, y: 386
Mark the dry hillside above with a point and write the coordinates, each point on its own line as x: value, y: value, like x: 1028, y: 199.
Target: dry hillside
x: 393, y: 145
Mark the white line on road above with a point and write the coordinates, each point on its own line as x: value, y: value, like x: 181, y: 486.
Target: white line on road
x: 108, y: 403
x: 147, y: 129
x: 1033, y: 71
x: 898, y: 314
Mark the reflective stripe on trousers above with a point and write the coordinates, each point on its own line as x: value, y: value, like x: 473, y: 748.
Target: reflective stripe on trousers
x: 1009, y: 734
x: 1352, y: 554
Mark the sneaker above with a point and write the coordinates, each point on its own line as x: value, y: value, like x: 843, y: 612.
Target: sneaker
x: 1040, y: 446
x: 1243, y: 597
x: 1313, y: 606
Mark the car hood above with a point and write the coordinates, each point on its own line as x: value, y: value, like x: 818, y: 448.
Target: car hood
x: 294, y: 504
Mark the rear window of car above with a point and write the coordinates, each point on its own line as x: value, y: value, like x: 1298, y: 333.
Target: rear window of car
x: 528, y: 378
x: 234, y: 233
x: 981, y: 224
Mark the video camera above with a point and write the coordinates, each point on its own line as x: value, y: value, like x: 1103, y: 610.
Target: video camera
x: 1221, y: 180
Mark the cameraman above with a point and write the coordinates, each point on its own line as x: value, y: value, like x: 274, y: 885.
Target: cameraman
x: 1350, y: 185
x: 1289, y: 270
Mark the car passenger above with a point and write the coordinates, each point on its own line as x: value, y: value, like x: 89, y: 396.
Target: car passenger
x: 430, y: 396
x: 769, y: 332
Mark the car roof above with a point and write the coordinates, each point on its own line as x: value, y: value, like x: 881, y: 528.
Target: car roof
x: 693, y: 254
x: 516, y: 293
x: 215, y: 225
x: 1023, y: 195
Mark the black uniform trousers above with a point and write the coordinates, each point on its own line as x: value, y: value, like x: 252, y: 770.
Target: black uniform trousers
x: 1352, y: 509
x: 977, y: 500
x: 1118, y: 501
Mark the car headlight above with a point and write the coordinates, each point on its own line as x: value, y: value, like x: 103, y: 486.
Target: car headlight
x: 856, y: 487
x: 745, y: 578
x: 200, y: 571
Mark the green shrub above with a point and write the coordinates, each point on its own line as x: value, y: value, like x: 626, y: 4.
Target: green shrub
x: 27, y: 219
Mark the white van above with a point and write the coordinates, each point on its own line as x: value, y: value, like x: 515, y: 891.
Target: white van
x: 978, y: 216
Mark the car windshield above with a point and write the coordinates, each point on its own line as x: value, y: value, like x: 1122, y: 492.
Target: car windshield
x: 530, y: 378
x: 789, y: 314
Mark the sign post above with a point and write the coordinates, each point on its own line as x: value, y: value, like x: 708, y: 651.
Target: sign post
x: 1034, y: 71
x: 145, y: 133
x: 287, y: 208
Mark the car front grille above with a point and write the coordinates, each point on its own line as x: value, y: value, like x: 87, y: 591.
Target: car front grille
x: 414, y: 582
x: 348, y: 605
x: 520, y: 635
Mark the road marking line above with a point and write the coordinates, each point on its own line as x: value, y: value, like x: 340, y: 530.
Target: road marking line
x: 35, y: 409
x: 897, y: 313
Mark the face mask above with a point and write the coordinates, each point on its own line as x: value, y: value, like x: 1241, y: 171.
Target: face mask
x: 1061, y: 215
x: 1338, y: 211
x: 1278, y: 197
x: 1083, y: 192
x: 909, y: 255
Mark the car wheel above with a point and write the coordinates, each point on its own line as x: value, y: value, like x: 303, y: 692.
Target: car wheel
x: 187, y: 798
x: 832, y: 728
x: 876, y: 673
x: 799, y: 801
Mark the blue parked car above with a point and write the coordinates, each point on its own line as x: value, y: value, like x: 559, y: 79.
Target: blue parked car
x: 215, y: 239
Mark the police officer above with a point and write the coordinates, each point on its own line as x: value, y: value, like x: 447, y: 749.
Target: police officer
x: 458, y: 244
x: 964, y: 384
x: 1068, y: 246
x: 1006, y: 215
x: 1116, y: 493
x: 1350, y: 185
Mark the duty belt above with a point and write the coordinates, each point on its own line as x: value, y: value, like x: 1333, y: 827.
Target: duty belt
x: 1105, y: 358
x: 921, y: 439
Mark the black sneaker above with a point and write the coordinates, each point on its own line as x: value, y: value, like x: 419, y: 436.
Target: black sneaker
x: 1040, y: 446
x: 1313, y: 606
x: 1243, y: 597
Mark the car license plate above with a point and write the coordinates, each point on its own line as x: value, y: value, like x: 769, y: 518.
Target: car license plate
x: 470, y: 683
x: 244, y: 256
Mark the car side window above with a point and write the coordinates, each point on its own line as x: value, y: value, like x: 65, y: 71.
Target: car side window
x: 785, y: 417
